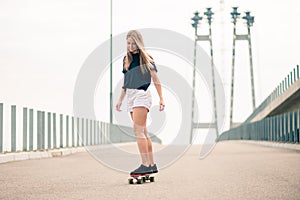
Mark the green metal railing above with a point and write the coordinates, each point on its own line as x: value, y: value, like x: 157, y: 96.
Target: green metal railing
x: 289, y: 80
x: 40, y: 130
x: 280, y: 128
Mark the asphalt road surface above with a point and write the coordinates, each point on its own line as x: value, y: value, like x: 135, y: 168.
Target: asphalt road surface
x: 233, y: 170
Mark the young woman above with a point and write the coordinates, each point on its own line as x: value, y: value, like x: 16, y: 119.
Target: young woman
x: 138, y: 69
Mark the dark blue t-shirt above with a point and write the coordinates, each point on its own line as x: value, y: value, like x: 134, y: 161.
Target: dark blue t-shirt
x: 133, y: 77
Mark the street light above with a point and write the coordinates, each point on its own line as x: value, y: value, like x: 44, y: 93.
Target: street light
x: 196, y: 20
x: 208, y: 38
x: 235, y: 14
x: 209, y: 15
x: 249, y: 20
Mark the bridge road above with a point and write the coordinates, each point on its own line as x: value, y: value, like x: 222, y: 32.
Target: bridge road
x: 234, y: 170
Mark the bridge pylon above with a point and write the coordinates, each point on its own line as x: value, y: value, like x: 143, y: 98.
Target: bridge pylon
x: 237, y: 37
x: 208, y: 14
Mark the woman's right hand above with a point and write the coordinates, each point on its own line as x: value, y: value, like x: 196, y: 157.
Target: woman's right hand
x: 118, y: 106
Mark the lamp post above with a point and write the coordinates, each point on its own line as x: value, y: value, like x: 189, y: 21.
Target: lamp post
x: 249, y: 20
x: 196, y: 20
x: 234, y: 15
x: 110, y: 70
x: 208, y: 38
x: 209, y: 15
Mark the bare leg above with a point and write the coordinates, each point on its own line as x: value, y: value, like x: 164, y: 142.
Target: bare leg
x: 150, y: 150
x: 139, y: 117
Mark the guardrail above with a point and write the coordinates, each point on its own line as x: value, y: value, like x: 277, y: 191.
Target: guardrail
x: 280, y: 128
x: 30, y: 130
x: 291, y: 78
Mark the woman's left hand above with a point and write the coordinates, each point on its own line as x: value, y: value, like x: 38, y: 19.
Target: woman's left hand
x: 161, y: 105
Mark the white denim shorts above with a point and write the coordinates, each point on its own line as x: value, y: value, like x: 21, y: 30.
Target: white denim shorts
x: 138, y: 98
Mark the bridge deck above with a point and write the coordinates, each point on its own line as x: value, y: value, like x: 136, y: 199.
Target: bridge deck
x: 234, y: 170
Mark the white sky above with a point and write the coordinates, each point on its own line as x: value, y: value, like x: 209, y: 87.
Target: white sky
x: 43, y: 44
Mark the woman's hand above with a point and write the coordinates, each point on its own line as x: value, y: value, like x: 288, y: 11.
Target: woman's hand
x: 158, y: 89
x: 161, y: 105
x: 118, y: 106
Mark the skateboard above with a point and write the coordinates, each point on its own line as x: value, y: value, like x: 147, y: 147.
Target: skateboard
x: 141, y: 178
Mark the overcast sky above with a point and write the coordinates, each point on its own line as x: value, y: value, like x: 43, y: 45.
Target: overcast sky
x: 43, y: 44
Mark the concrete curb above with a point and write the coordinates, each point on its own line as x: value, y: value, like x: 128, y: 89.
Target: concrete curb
x: 10, y: 157
x: 274, y: 144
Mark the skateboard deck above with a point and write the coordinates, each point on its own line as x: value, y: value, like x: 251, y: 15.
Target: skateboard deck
x: 141, y: 178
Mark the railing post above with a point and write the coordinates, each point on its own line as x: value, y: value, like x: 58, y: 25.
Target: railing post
x: 31, y: 122
x: 82, y: 132
x: 91, y: 132
x: 25, y: 122
x: 294, y: 72
x: 295, y: 126
x: 286, y: 128
x: 61, y: 144
x: 102, y: 133
x: 270, y: 129
x: 87, y: 132
x: 49, y: 130
x: 43, y: 130
x: 298, y: 127
x: 95, y: 133
x: 108, y: 133
x: 73, y: 133
x: 101, y: 130
x: 291, y: 127
x: 266, y: 132
x: 276, y: 128
x: 265, y: 127
x: 1, y: 127
x: 261, y: 130
x: 54, y: 130
x: 78, y: 132
x: 282, y: 128
x: 13, y: 128
x: 67, y: 131
x: 39, y: 132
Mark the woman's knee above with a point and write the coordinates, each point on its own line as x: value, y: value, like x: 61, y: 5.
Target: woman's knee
x: 139, y: 131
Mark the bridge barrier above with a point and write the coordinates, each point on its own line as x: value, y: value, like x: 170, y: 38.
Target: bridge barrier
x: 30, y: 130
x: 279, y: 128
x: 289, y: 80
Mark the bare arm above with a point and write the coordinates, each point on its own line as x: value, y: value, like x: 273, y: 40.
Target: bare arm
x: 158, y: 89
x: 118, y: 105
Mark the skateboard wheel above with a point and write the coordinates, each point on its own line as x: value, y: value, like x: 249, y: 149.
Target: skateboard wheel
x: 152, y: 179
x: 130, y: 181
x: 139, y: 181
x: 144, y: 179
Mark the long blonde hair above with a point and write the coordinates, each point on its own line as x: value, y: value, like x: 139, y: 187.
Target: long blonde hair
x: 145, y: 59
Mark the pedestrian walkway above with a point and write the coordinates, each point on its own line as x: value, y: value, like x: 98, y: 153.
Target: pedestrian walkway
x: 234, y: 170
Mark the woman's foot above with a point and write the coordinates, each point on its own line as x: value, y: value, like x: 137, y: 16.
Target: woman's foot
x: 142, y: 170
x: 154, y: 168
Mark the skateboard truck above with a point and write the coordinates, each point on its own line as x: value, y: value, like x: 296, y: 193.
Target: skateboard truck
x: 140, y: 178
